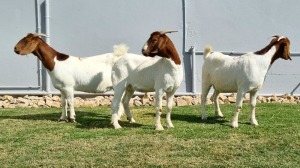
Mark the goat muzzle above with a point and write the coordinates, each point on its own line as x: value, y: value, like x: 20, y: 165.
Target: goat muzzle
x: 144, y: 52
x: 16, y: 50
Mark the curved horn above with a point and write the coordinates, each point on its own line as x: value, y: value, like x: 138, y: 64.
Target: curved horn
x: 281, y: 37
x: 278, y: 37
x: 40, y: 34
x: 167, y: 31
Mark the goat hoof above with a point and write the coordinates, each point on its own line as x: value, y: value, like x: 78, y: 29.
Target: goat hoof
x: 159, y: 128
x: 116, y: 125
x: 219, y: 115
x: 171, y: 126
x: 132, y: 120
x: 234, y: 125
x: 62, y: 119
x: 72, y: 120
x: 254, y: 123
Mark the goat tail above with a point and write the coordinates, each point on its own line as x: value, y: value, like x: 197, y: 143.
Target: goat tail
x: 207, y: 51
x: 120, y: 49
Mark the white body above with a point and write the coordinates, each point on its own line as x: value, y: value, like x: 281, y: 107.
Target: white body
x: 90, y: 74
x: 145, y: 74
x: 234, y: 74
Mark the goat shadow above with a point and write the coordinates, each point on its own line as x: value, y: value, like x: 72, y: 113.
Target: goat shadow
x: 84, y: 119
x: 191, y: 118
x: 100, y: 121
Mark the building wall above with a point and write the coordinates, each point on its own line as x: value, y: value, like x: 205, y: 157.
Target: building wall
x: 91, y: 27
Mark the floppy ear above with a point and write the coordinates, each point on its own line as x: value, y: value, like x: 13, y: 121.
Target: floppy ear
x: 161, y: 41
x: 286, y: 51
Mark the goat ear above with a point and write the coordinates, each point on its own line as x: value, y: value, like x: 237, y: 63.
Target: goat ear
x: 160, y: 44
x: 286, y: 51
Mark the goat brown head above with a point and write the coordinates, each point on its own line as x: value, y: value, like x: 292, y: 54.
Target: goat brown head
x: 28, y: 44
x: 155, y: 43
x: 159, y: 44
x: 282, y: 45
x: 283, y: 48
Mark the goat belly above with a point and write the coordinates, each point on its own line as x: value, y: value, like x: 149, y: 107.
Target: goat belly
x: 141, y: 88
x: 142, y: 78
x: 225, y: 87
x: 145, y: 90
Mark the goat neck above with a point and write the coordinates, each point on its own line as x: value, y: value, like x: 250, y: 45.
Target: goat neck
x: 47, y: 54
x: 281, y: 46
x: 168, y: 50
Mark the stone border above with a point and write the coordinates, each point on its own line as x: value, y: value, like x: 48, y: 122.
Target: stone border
x: 53, y: 101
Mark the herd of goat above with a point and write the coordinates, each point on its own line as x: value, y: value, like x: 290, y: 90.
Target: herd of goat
x: 126, y: 73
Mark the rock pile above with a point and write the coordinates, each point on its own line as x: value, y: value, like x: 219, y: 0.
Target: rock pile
x: 53, y: 101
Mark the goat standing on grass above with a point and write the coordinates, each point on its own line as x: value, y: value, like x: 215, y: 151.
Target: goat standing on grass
x: 240, y: 74
x: 160, y: 74
x: 69, y: 73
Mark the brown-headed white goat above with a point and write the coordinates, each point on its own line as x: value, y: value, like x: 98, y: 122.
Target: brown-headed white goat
x: 69, y: 73
x: 160, y: 74
x: 240, y: 74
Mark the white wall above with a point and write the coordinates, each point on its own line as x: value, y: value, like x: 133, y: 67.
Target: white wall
x: 91, y: 27
x: 16, y: 72
x: 243, y: 26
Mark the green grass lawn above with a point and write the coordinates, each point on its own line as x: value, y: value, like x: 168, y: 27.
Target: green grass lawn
x: 34, y: 138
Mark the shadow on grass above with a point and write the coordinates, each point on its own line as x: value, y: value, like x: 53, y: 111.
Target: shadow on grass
x: 100, y: 121
x: 34, y: 117
x: 194, y: 118
x: 214, y: 120
x: 86, y: 120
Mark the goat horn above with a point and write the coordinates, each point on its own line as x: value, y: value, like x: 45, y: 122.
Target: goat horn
x: 40, y: 34
x: 167, y: 31
x: 279, y: 37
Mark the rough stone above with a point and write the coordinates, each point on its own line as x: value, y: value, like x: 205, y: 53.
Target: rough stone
x: 48, y: 101
x: 41, y: 103
x: 137, y: 103
x: 89, y: 103
x: 56, y: 104
x: 9, y: 106
x: 181, y: 102
x: 7, y: 97
x: 231, y: 99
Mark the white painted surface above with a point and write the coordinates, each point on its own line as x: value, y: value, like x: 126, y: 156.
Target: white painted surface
x: 91, y: 27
